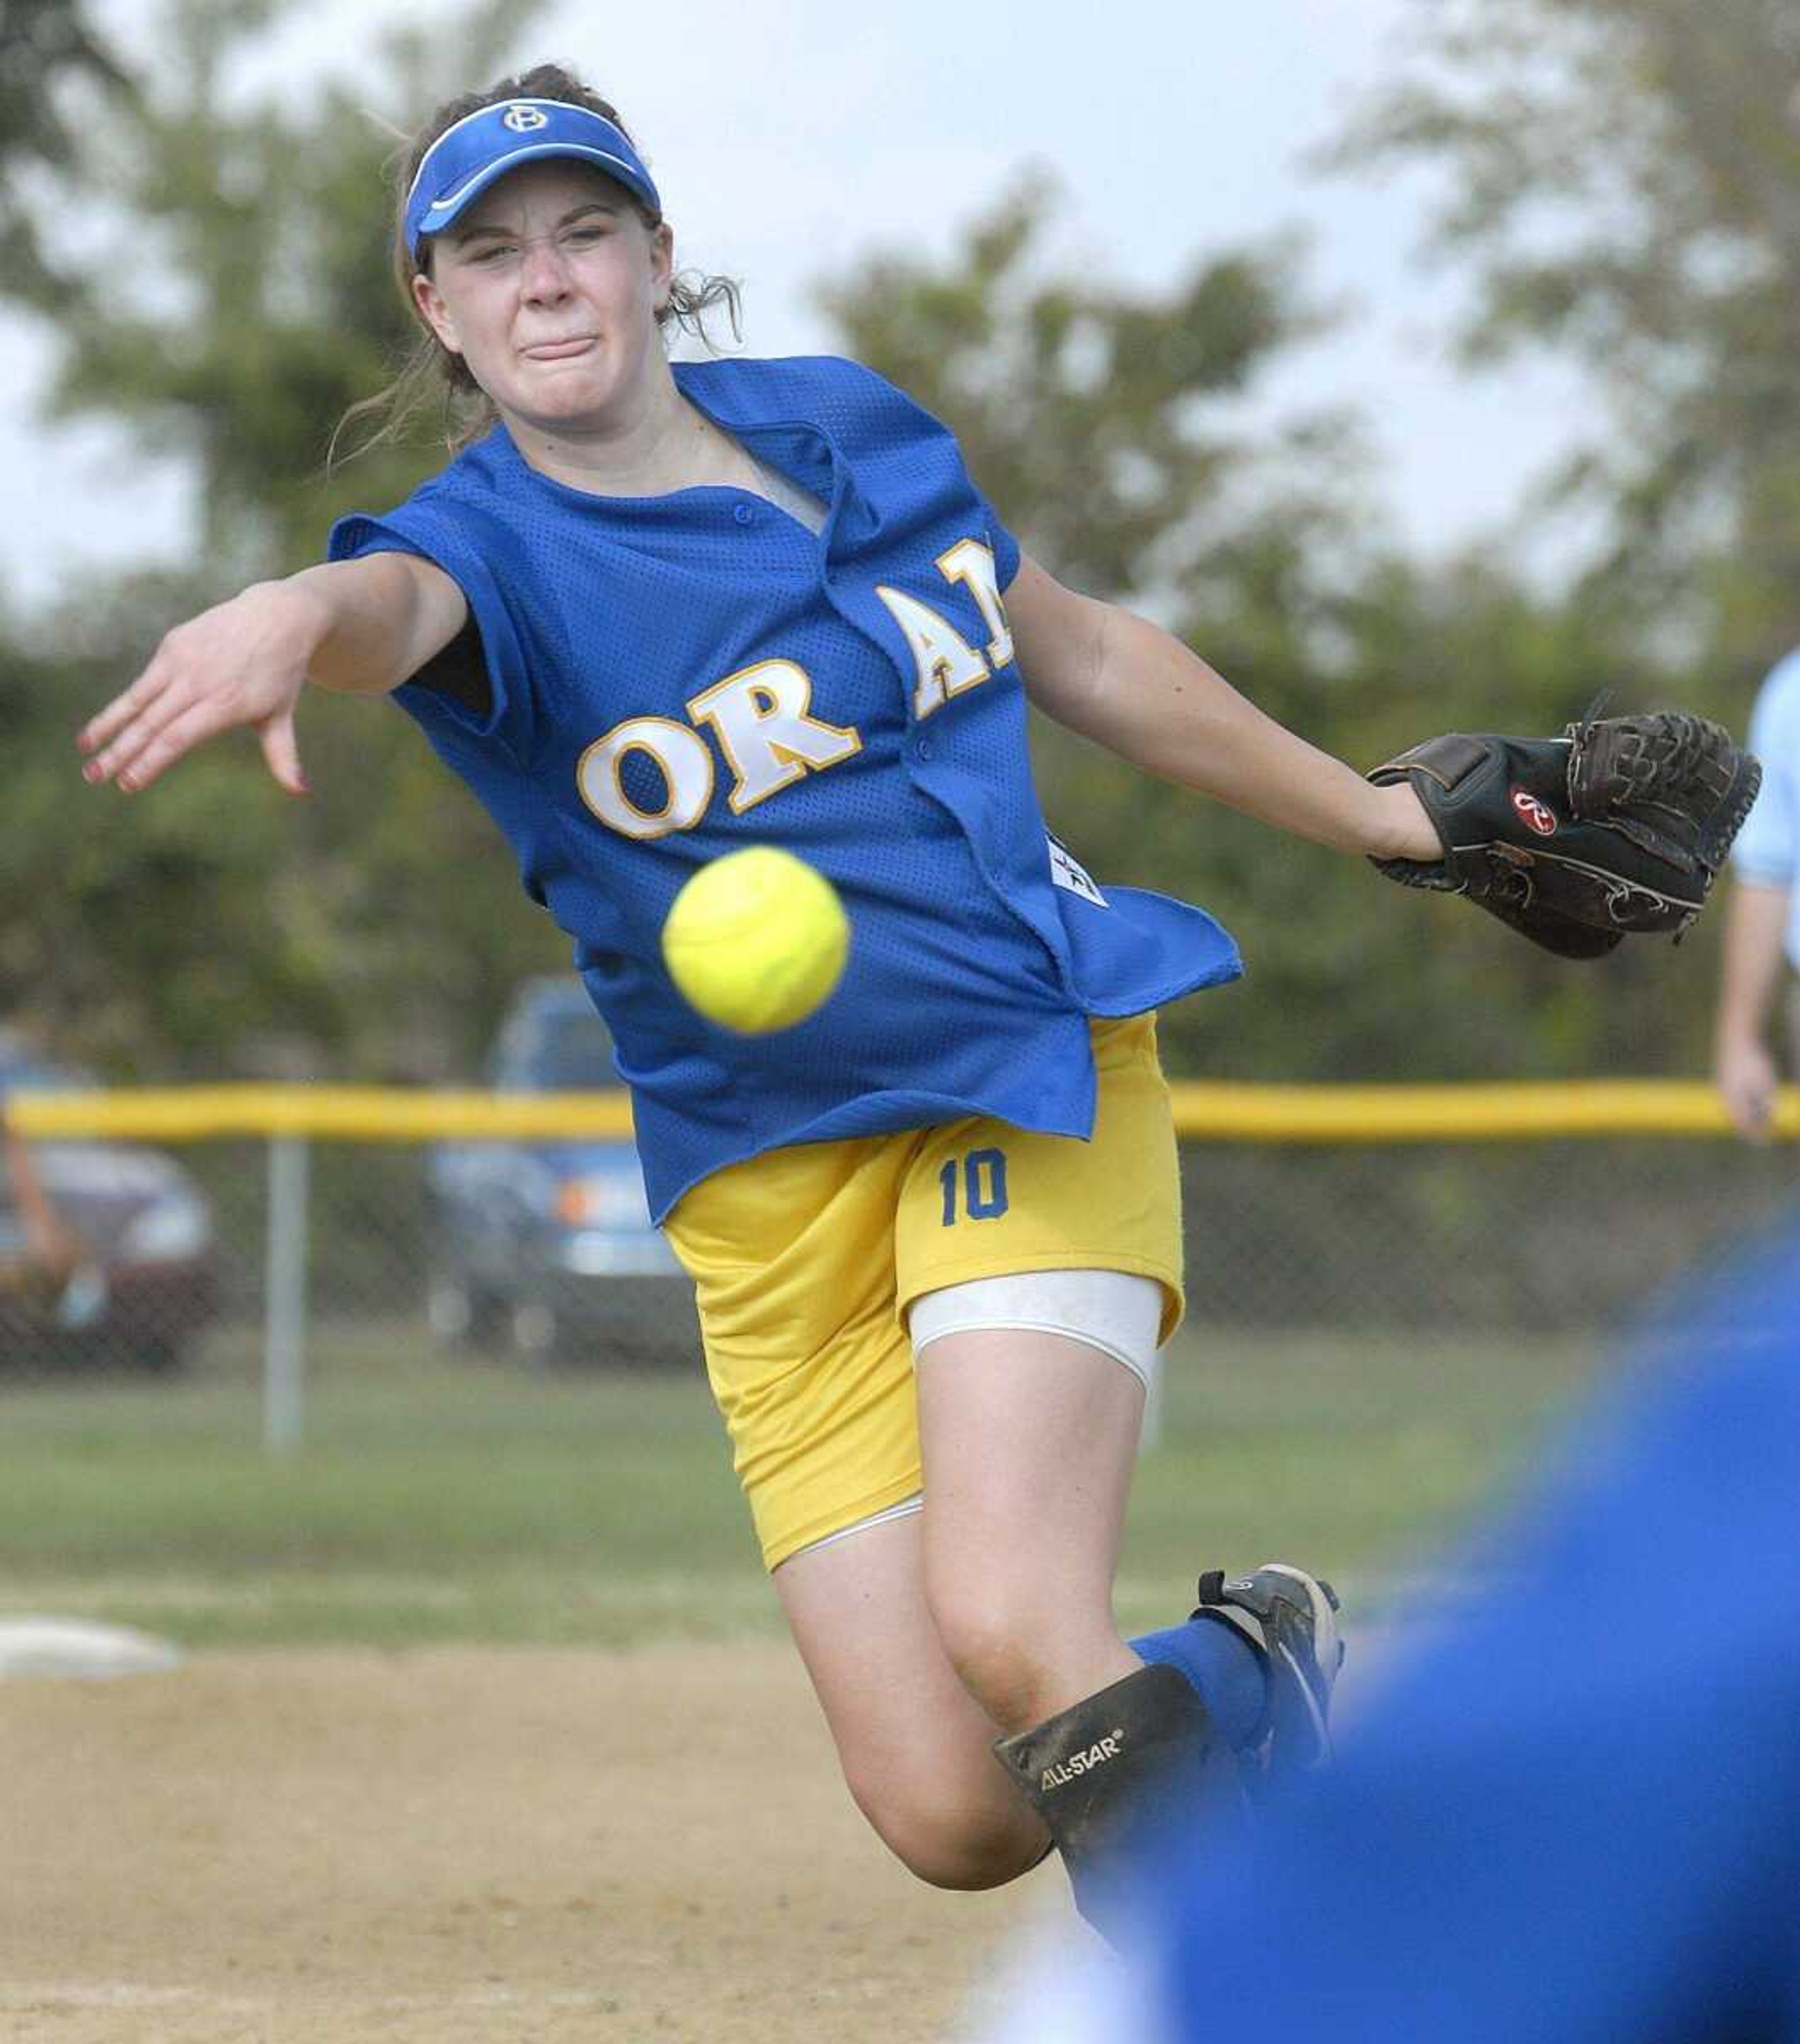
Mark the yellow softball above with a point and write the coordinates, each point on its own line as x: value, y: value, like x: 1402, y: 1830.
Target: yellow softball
x: 756, y: 940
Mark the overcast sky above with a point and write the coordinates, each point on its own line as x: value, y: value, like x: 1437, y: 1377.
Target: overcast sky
x: 787, y: 136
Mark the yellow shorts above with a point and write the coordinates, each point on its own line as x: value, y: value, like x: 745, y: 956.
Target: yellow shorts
x: 806, y: 1259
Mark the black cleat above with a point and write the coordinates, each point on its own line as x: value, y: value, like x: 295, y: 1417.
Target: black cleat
x: 1291, y: 1618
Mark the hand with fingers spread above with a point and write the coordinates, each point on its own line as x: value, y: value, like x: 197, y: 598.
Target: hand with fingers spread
x: 243, y: 662
x: 360, y: 626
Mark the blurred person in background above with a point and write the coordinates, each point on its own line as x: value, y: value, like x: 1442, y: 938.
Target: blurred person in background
x: 1574, y: 1815
x: 45, y: 1276
x: 1763, y: 917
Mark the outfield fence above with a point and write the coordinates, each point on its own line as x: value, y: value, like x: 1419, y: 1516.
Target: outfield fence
x: 263, y: 1228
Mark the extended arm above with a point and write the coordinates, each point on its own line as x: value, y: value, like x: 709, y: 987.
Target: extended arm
x: 51, y: 1245
x: 1745, y: 1072
x: 1130, y: 686
x: 361, y: 627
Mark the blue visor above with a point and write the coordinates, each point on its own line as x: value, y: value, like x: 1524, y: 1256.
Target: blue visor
x: 466, y: 159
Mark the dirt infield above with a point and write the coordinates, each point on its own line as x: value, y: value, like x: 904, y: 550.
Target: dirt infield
x: 435, y: 1846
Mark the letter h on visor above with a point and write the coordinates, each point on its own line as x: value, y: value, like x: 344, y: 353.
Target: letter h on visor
x: 467, y: 157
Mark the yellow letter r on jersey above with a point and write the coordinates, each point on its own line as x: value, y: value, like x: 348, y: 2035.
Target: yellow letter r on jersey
x: 763, y: 715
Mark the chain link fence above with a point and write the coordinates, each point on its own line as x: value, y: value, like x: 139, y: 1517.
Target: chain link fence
x: 239, y: 1256
x: 1569, y: 1236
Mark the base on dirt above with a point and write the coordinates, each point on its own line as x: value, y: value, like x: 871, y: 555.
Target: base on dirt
x: 76, y: 1646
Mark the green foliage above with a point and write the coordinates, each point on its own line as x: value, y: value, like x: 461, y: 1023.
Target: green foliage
x: 54, y: 73
x: 1620, y: 176
x: 1103, y: 426
x: 211, y: 925
x: 240, y: 301
x: 440, y: 1500
x: 248, y: 300
x: 1080, y: 408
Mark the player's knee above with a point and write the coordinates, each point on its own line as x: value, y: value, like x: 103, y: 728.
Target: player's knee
x: 951, y: 1847
x: 994, y: 1640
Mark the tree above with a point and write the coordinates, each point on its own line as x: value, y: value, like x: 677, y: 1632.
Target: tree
x: 1099, y: 423
x: 377, y: 927
x: 211, y: 927
x: 273, y: 221
x: 53, y: 68
x: 1619, y: 175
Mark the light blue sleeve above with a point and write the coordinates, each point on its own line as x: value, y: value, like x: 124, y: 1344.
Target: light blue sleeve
x: 1767, y: 849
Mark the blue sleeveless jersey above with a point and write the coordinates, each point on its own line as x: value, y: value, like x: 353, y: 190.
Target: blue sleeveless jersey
x: 675, y: 677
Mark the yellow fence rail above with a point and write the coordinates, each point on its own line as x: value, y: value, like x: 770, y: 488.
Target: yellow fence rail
x: 1270, y: 1223
x: 348, y: 1114
x: 1204, y: 1112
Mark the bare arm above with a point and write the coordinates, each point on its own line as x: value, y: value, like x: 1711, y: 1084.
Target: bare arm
x: 361, y: 627
x: 52, y: 1245
x: 1130, y: 686
x: 1755, y: 922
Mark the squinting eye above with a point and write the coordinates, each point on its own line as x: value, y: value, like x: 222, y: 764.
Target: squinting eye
x: 492, y: 253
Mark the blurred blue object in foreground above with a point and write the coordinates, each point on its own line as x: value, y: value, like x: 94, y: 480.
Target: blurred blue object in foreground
x: 1574, y: 1817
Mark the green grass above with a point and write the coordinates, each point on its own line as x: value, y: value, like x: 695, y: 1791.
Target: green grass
x: 1363, y: 1458
x: 437, y: 1499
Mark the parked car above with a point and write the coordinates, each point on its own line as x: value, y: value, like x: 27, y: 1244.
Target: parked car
x: 546, y: 1248
x: 147, y: 1284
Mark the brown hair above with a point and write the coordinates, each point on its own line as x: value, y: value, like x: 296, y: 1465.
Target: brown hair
x: 432, y: 378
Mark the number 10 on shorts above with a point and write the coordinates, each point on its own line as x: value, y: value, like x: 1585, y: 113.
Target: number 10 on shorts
x: 981, y: 1178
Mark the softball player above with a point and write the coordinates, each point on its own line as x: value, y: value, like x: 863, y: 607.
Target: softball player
x: 653, y: 612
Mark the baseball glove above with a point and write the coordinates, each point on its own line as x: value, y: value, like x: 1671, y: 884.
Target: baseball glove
x: 1617, y: 828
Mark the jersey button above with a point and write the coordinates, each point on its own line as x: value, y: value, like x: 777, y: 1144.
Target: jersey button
x: 742, y: 513
x: 921, y: 748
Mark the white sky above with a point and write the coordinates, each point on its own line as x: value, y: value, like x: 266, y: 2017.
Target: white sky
x: 787, y: 136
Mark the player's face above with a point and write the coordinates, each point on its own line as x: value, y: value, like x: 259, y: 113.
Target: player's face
x: 548, y: 288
